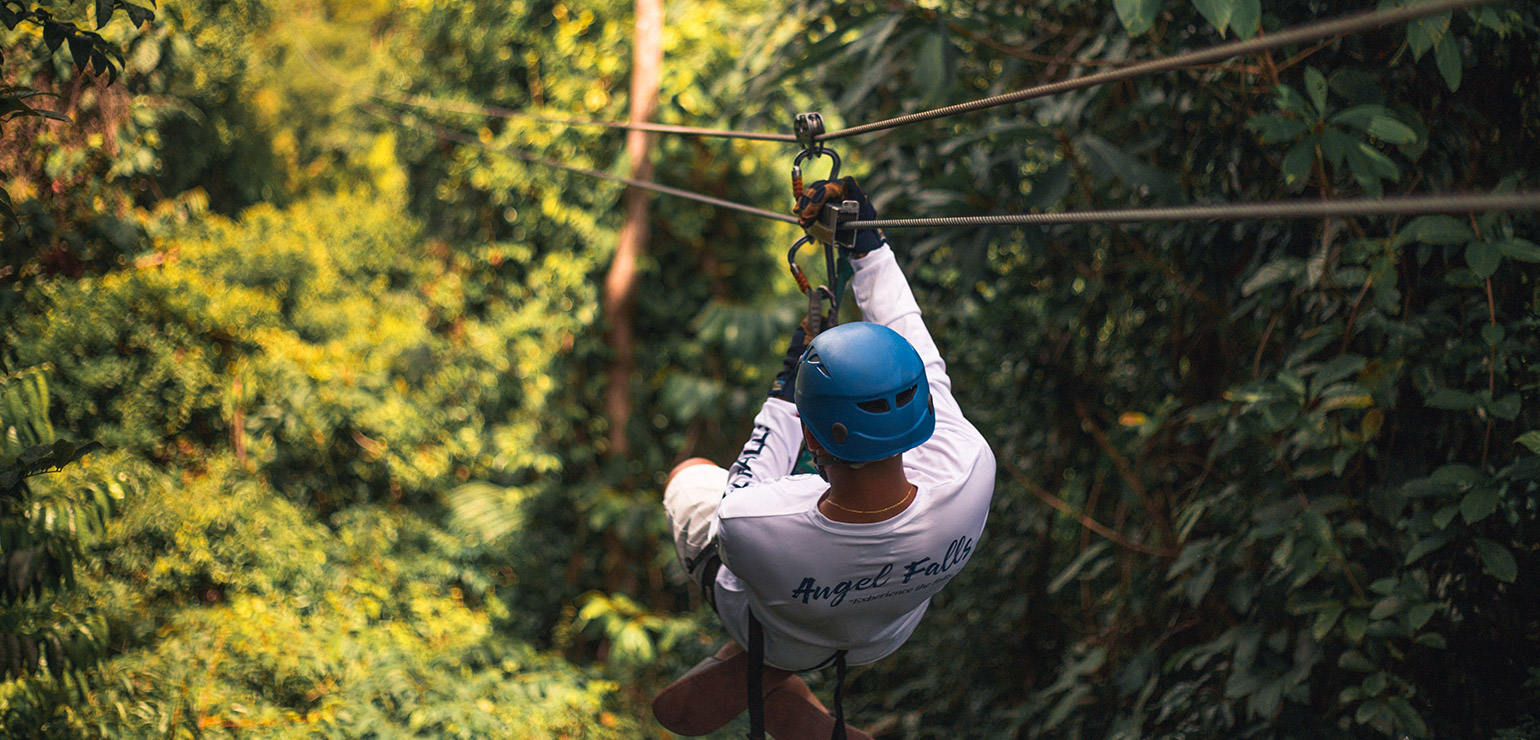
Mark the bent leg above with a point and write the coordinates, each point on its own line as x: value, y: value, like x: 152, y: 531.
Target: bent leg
x: 712, y: 693
x: 690, y: 499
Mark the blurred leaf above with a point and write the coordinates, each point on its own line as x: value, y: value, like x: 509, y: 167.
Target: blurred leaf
x: 1137, y: 16
x: 1408, y: 718
x: 934, y: 75
x: 1417, y: 616
x: 1087, y: 557
x: 1356, y: 661
x: 1246, y: 18
x: 1483, y: 257
x: 1296, y: 164
x: 1520, y: 249
x: 1432, y: 639
x: 1435, y: 230
x: 1216, y: 12
x: 1426, y: 32
x: 1315, y: 84
x: 1506, y: 408
x: 1498, y: 560
x: 1274, y: 272
x: 1447, y: 55
x: 1272, y: 128
x: 138, y: 14
x: 1448, y: 398
x: 1425, y: 546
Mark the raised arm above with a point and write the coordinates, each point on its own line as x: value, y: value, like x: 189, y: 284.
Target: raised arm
x: 882, y: 292
x: 772, y: 449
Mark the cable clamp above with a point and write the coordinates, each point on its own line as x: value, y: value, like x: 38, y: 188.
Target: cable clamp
x: 829, y: 219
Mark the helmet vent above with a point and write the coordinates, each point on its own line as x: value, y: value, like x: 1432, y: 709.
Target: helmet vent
x: 814, y: 360
x: 906, y: 396
x: 839, y: 433
x: 875, y: 406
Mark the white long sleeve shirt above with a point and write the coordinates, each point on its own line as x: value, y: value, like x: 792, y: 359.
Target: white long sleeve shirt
x: 817, y: 585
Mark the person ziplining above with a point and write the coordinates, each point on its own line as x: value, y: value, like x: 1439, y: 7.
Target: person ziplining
x: 808, y: 571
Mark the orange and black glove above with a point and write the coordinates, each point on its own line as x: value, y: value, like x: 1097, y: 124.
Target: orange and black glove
x: 810, y: 205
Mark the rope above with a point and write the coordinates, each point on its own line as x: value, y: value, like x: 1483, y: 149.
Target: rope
x: 464, y: 138
x: 1403, y: 206
x: 1287, y: 37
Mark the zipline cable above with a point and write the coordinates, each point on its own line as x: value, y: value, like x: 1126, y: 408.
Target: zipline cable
x: 1417, y: 205
x: 451, y: 106
x: 465, y: 138
x: 1298, y: 34
x: 1399, y: 206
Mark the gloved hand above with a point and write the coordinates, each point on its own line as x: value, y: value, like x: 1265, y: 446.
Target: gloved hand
x: 785, y: 385
x: 810, y: 205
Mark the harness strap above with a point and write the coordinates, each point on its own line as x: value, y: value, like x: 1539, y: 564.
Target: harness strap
x: 756, y: 685
x: 839, y: 696
x: 756, y: 679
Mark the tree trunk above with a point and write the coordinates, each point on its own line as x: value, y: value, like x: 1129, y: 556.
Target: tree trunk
x: 620, y: 284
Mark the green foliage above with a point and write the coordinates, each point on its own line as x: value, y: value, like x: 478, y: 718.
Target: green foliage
x: 52, y: 506
x: 352, y: 373
x: 1302, y: 433
x: 245, y: 617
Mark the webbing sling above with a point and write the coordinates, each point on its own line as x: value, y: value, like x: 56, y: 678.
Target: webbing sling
x: 839, y: 696
x: 756, y: 685
x: 756, y: 679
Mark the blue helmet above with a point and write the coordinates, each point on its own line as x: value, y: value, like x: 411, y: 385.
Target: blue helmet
x: 861, y: 391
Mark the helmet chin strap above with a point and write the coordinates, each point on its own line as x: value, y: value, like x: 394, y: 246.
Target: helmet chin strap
x: 822, y: 460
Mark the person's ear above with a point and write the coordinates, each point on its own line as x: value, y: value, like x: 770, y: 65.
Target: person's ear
x: 812, y: 444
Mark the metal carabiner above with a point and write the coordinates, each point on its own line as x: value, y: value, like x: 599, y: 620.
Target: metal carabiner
x: 817, y: 319
x: 796, y: 271
x: 796, y: 168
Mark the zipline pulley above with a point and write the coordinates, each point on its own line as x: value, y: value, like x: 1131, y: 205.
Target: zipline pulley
x: 808, y: 127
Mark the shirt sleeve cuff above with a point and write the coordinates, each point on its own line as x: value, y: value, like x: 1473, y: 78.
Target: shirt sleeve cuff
x: 871, y: 258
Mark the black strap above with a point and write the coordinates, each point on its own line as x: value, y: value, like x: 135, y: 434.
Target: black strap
x: 756, y: 679
x: 839, y: 696
x: 756, y: 685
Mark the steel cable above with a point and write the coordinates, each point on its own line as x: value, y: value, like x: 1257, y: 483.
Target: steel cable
x: 1299, y: 34
x: 1401, y: 206
x: 418, y: 101
x: 465, y: 138
x: 1396, y: 206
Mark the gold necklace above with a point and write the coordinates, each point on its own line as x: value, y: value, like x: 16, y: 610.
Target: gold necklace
x: 885, y: 509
